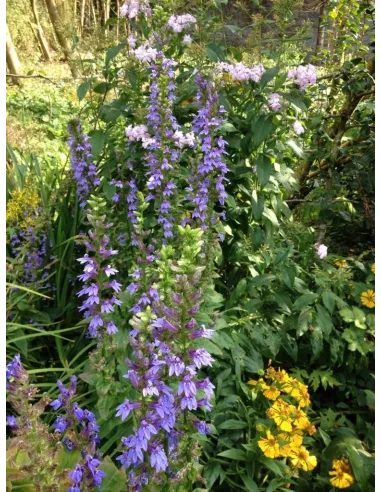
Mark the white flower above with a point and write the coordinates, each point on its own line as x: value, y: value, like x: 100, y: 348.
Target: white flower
x: 304, y: 75
x: 322, y: 251
x: 180, y: 22
x: 181, y: 140
x: 241, y: 72
x: 137, y: 132
x: 131, y: 40
x: 298, y: 128
x: 274, y: 102
x: 187, y: 40
x: 131, y: 8
x: 145, y: 53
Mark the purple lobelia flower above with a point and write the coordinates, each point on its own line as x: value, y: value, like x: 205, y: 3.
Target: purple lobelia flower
x: 82, y: 165
x: 206, y: 184
x: 99, y: 291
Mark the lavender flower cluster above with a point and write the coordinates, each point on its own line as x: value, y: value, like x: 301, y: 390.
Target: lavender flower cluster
x: 303, y: 76
x: 241, y: 72
x: 84, y: 169
x: 211, y: 168
x: 132, y: 8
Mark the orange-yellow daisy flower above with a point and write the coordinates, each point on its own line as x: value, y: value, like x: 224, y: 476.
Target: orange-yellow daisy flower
x: 368, y: 298
x: 300, y: 458
x: 269, y: 445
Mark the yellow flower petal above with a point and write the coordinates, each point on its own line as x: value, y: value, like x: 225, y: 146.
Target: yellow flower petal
x: 368, y: 298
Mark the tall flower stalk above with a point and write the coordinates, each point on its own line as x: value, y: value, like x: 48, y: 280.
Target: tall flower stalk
x: 100, y: 288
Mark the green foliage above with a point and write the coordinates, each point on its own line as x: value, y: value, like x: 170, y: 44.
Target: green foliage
x: 280, y: 304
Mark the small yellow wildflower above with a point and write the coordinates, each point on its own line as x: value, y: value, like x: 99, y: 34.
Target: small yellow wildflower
x: 279, y: 376
x: 280, y: 413
x: 304, y: 397
x: 368, y: 298
x: 300, y: 458
x: 342, y: 475
x: 300, y: 419
x: 292, y: 387
x: 269, y: 446
x: 270, y: 392
x: 374, y: 268
x: 311, y: 429
x: 22, y: 207
x: 341, y: 263
x: 288, y: 443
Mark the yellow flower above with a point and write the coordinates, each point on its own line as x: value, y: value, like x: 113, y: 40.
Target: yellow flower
x: 270, y: 392
x: 301, y: 458
x: 269, y: 446
x: 292, y: 387
x: 311, y: 429
x: 304, y: 397
x: 288, y: 443
x: 300, y: 419
x: 368, y: 298
x: 342, y: 465
x: 341, y: 479
x: 374, y: 268
x: 341, y: 263
x: 22, y: 208
x: 280, y: 375
x: 280, y: 413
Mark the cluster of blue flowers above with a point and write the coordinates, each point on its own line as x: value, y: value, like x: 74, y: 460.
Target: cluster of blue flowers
x: 99, y: 290
x: 85, y: 473
x: 83, y: 167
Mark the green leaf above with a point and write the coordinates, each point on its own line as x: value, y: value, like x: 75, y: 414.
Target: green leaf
x: 215, y: 52
x: 269, y: 75
x: 257, y: 204
x: 329, y: 300
x: 211, y: 473
x: 324, y: 320
x: 261, y: 128
x: 316, y: 343
x: 113, y: 52
x: 98, y: 138
x: 208, y: 345
x: 109, y: 190
x: 272, y: 465
x: 295, y: 147
x: 347, y: 314
x: 115, y: 479
x: 132, y: 78
x: 234, y: 454
x: 101, y: 88
x: 105, y: 405
x: 325, y: 436
x: 249, y: 483
x: 232, y: 424
x: 304, y: 301
x: 304, y: 320
x: 264, y: 169
x: 83, y: 89
x: 270, y: 215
